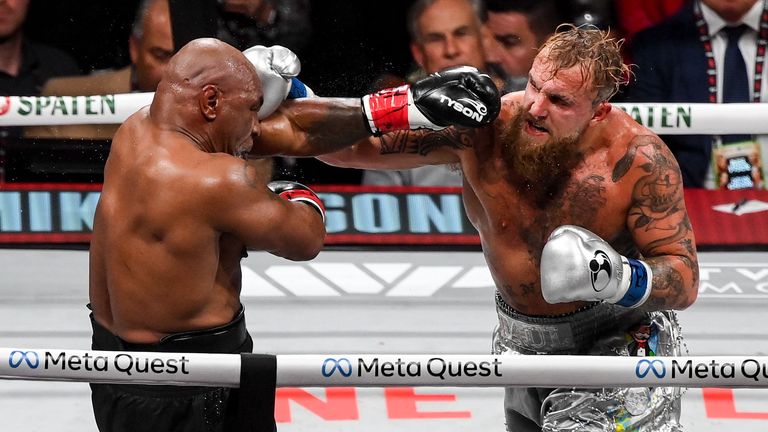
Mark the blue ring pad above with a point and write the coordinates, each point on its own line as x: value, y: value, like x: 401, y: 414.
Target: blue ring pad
x: 638, y: 284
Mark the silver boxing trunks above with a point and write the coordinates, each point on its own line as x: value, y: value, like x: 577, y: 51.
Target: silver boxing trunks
x: 597, y: 329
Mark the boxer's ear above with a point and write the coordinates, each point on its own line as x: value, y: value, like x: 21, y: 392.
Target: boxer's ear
x: 602, y: 110
x: 208, y: 101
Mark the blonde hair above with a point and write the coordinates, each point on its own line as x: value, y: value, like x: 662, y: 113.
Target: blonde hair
x: 594, y: 51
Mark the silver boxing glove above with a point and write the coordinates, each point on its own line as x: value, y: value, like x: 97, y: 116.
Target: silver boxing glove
x: 576, y: 264
x: 277, y: 67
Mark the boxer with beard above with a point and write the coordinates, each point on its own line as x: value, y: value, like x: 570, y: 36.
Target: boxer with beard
x: 582, y: 222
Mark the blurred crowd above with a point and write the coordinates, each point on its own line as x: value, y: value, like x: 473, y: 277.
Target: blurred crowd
x: 704, y: 51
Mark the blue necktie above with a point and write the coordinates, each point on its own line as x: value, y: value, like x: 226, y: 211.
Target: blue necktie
x: 735, y: 81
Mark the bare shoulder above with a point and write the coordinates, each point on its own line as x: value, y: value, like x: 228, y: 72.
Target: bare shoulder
x: 639, y: 151
x: 510, y: 105
x: 132, y: 131
x: 222, y: 172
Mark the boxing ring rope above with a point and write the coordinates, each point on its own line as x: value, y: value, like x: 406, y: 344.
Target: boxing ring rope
x: 662, y: 118
x: 372, y: 370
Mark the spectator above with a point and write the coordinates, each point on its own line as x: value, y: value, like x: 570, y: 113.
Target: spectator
x: 632, y: 16
x: 267, y: 22
x: 150, y: 46
x: 243, y: 23
x: 518, y: 28
x: 444, y: 33
x: 672, y: 66
x: 599, y: 13
x: 25, y: 65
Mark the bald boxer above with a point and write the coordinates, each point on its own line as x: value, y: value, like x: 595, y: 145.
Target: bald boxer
x: 583, y: 225
x: 180, y: 204
x: 178, y: 207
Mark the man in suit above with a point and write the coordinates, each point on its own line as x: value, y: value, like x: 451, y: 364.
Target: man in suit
x: 444, y: 34
x: 25, y: 64
x: 672, y: 66
x: 150, y: 46
x: 518, y: 28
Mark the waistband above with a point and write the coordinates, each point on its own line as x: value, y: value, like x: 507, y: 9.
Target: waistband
x: 568, y: 333
x: 228, y: 338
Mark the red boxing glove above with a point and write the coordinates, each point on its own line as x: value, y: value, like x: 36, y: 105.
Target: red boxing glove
x: 293, y: 191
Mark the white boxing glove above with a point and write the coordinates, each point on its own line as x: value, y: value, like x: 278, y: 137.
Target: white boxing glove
x: 576, y: 265
x: 277, y: 67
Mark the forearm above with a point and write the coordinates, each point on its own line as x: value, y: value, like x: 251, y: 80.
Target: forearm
x: 315, y: 126
x: 304, y: 240
x: 311, y: 127
x: 578, y: 265
x: 675, y: 282
x: 303, y: 232
x: 339, y: 126
x: 365, y: 155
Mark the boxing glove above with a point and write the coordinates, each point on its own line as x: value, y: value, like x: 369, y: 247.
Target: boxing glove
x: 293, y: 191
x: 277, y: 67
x: 459, y: 96
x: 576, y: 264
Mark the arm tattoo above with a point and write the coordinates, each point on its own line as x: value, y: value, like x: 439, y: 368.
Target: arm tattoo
x: 657, y: 214
x: 424, y: 142
x: 657, y: 195
x: 666, y: 286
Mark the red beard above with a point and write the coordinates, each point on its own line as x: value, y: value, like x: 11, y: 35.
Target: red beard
x: 540, y: 170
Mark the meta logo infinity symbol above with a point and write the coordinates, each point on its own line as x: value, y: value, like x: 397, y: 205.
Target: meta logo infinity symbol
x: 656, y: 366
x: 331, y: 365
x: 17, y: 357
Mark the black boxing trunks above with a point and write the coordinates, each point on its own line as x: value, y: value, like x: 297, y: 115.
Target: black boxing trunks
x: 135, y: 408
x: 597, y: 329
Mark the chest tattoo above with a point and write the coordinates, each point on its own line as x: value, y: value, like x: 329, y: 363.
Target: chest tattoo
x: 584, y: 199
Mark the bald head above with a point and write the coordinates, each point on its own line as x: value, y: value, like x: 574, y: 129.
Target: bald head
x: 210, y: 89
x: 211, y: 61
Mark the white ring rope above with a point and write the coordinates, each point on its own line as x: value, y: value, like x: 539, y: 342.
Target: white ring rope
x: 662, y: 118
x: 341, y: 370
x: 70, y: 110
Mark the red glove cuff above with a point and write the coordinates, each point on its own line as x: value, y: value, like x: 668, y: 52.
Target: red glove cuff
x: 387, y: 110
x: 307, y: 197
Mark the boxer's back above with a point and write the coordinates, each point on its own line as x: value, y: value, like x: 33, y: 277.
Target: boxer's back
x: 155, y: 240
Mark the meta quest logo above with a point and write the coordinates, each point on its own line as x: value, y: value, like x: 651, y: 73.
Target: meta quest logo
x: 434, y: 367
x: 749, y: 368
x: 123, y: 363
